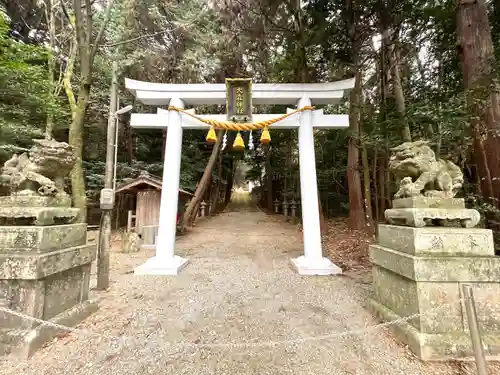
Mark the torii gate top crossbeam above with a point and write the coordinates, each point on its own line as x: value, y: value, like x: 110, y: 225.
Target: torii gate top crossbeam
x: 262, y: 93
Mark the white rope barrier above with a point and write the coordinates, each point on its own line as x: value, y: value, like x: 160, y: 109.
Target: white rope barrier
x: 240, y: 345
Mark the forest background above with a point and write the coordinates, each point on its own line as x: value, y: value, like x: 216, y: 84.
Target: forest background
x: 423, y: 70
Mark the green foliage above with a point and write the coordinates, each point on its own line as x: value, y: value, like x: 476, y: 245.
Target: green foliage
x: 23, y: 91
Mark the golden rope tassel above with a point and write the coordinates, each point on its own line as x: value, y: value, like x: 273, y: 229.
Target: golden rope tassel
x: 238, y: 142
x: 265, y: 137
x: 211, y: 136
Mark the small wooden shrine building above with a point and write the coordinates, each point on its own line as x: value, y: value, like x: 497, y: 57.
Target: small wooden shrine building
x: 143, y: 196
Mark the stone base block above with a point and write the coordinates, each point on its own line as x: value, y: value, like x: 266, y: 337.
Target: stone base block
x: 322, y: 267
x: 431, y: 288
x: 161, y: 266
x: 34, y: 266
x: 45, y: 275
x: 35, y: 201
x: 421, y: 217
x: 429, y: 202
x: 38, y: 215
x: 438, y: 241
x: 44, y: 298
x: 27, y: 342
x: 41, y: 239
x: 437, y: 268
x: 420, y: 272
x: 437, y: 346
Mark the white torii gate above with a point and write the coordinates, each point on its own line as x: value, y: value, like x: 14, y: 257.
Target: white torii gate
x: 178, y: 95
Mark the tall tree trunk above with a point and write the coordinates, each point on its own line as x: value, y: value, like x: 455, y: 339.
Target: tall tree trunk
x: 356, y: 210
x: 229, y: 182
x: 163, y: 143
x: 87, y: 46
x: 190, y: 213
x: 322, y: 221
x: 477, y: 56
x: 367, y: 189
x: 215, y: 197
x: 398, y: 92
x: 385, y: 74
x: 495, y: 26
x: 130, y: 144
x: 76, y: 141
x: 387, y: 182
x: 269, y: 178
x: 131, y: 140
x: 51, y: 20
x: 375, y: 185
x: 381, y: 189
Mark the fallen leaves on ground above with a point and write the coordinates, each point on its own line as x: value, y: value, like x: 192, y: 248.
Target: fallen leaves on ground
x: 346, y: 247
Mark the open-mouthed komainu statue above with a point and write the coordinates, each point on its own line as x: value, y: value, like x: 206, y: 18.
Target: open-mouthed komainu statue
x: 422, y: 174
x: 40, y: 172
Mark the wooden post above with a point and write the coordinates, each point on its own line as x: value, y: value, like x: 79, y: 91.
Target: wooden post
x: 105, y: 230
x: 129, y: 221
x: 475, y: 334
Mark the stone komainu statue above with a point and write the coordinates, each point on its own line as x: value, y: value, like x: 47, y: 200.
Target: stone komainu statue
x: 422, y: 174
x: 41, y: 172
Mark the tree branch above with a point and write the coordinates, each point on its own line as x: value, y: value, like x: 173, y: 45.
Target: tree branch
x: 100, y: 34
x: 88, y: 24
x: 80, y: 32
x: 67, y: 77
x: 65, y: 12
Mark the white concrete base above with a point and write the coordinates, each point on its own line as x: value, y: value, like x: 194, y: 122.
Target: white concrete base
x: 162, y: 267
x: 322, y: 266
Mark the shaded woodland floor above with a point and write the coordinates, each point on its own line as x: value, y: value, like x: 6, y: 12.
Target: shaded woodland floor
x: 238, y: 308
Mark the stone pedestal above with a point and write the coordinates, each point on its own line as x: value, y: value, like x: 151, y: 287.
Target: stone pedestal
x: 416, y: 270
x: 45, y: 274
x: 427, y: 211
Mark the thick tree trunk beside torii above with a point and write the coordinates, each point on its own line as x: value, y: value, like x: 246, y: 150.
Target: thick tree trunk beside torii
x: 214, y: 199
x: 86, y: 45
x: 356, y: 207
x: 191, y: 210
x: 230, y: 181
x: 475, y: 47
x: 269, y: 179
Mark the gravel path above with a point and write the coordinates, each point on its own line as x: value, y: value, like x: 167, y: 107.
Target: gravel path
x: 237, y: 309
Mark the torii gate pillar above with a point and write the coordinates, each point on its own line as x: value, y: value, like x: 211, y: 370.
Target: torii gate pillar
x: 166, y: 262
x: 312, y: 262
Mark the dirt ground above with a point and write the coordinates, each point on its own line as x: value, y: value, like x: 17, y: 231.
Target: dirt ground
x: 237, y: 308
